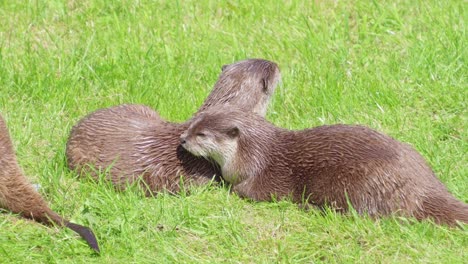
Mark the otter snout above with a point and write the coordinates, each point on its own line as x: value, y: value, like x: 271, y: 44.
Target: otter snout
x: 182, y: 139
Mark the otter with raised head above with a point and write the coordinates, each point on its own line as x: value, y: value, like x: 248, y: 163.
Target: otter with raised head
x: 19, y: 196
x: 133, y: 142
x: 326, y: 165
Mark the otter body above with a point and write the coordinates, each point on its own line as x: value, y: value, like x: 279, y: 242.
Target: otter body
x: 132, y: 141
x: 127, y: 146
x: 327, y: 165
x: 19, y: 196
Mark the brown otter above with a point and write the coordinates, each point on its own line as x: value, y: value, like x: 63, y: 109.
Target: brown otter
x: 19, y: 196
x: 132, y: 141
x: 326, y: 165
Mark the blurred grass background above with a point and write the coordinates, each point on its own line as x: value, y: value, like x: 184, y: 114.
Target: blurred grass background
x: 396, y: 66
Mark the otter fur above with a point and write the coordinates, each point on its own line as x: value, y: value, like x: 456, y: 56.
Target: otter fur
x: 19, y: 196
x: 132, y: 142
x: 332, y: 165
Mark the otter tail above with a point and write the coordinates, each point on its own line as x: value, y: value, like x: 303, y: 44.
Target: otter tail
x: 86, y: 233
x: 50, y: 217
x: 443, y: 208
x: 35, y: 208
x: 19, y: 196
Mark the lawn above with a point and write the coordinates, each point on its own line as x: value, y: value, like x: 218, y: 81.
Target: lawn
x: 396, y: 66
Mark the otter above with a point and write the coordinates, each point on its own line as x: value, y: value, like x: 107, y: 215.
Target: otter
x: 19, y: 196
x: 134, y: 144
x: 332, y: 165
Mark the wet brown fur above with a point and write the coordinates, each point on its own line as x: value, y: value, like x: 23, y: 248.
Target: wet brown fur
x: 326, y: 165
x: 19, y: 196
x: 132, y: 141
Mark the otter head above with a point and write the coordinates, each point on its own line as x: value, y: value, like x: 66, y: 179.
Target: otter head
x: 213, y: 136
x: 247, y: 85
x: 239, y: 141
x: 208, y: 139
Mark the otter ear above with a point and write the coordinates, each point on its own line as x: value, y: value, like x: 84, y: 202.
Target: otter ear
x: 224, y: 67
x: 265, y: 85
x: 233, y: 132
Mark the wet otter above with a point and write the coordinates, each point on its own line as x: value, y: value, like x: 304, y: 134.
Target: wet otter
x: 133, y: 141
x: 19, y: 196
x: 326, y: 165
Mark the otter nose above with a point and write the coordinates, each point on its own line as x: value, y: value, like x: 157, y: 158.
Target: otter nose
x: 182, y: 140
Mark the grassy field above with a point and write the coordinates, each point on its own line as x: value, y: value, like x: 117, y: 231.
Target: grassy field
x: 396, y: 66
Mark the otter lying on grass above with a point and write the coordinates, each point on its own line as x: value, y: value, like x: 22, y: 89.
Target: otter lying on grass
x: 133, y: 141
x: 326, y: 165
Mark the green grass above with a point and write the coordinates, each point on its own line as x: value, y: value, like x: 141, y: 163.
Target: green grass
x: 396, y: 66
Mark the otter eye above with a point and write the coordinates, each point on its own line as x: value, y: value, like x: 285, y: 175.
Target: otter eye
x: 199, y: 134
x: 233, y: 132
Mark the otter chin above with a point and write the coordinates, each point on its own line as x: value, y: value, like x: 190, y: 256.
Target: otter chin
x: 333, y: 165
x: 133, y: 143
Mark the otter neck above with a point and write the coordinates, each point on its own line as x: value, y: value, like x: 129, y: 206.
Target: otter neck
x: 230, y: 90
x: 246, y: 162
